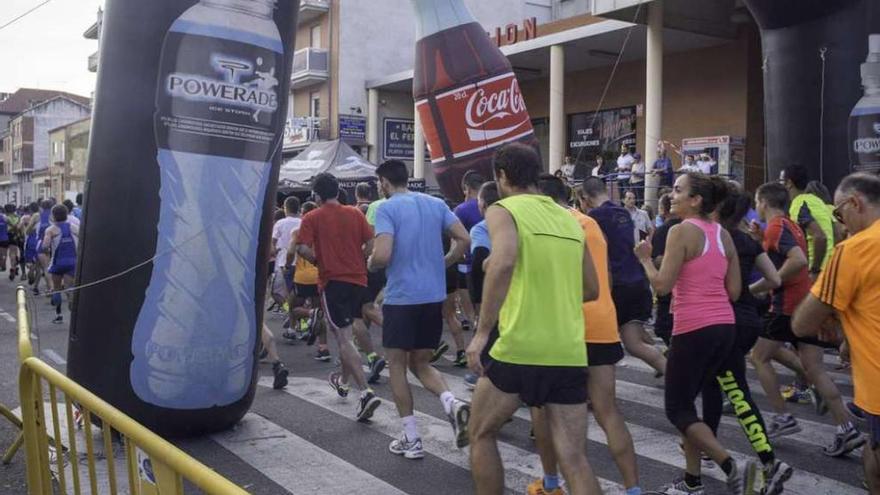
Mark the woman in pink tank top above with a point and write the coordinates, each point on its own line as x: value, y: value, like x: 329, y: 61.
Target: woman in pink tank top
x: 701, y: 269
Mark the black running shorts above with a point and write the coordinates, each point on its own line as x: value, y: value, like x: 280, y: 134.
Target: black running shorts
x: 375, y: 284
x: 412, y: 326
x: 633, y: 302
x: 305, y: 290
x: 539, y: 385
x: 342, y: 302
x: 777, y: 327
x: 604, y: 354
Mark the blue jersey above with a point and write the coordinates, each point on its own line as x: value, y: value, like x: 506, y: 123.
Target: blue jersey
x: 64, y: 247
x: 4, y: 229
x: 44, y: 224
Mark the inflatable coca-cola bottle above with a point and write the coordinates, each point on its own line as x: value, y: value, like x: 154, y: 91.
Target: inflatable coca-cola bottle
x: 466, y: 93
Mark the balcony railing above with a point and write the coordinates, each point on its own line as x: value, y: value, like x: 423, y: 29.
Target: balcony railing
x: 309, y: 10
x: 93, y: 62
x: 310, y: 66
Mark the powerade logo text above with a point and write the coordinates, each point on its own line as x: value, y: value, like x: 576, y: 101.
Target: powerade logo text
x: 240, y: 84
x: 868, y: 144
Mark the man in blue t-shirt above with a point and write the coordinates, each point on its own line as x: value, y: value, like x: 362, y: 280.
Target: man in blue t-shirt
x: 629, y: 285
x: 663, y: 166
x: 409, y: 245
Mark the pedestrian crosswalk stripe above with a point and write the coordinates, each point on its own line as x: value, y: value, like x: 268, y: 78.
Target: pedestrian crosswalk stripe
x: 294, y: 463
x: 520, y: 466
x: 663, y: 447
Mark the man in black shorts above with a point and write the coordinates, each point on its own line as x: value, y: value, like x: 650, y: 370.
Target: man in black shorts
x: 539, y: 357
x: 408, y: 243
x: 629, y: 286
x: 334, y: 238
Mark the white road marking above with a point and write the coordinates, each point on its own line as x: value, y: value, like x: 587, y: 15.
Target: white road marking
x: 295, y: 463
x: 54, y: 357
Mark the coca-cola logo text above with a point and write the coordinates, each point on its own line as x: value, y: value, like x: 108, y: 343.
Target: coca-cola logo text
x: 482, y: 108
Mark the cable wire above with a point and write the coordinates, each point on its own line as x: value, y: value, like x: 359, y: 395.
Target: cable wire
x: 25, y: 14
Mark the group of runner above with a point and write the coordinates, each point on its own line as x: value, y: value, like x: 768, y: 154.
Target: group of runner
x: 557, y: 292
x: 38, y: 244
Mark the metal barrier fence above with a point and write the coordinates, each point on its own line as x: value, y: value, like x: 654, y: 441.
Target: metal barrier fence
x: 153, y: 465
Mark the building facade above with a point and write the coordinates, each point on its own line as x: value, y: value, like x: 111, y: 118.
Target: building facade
x: 621, y: 72
x: 340, y: 45
x: 69, y: 146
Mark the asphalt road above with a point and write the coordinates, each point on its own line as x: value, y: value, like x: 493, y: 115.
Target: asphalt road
x: 304, y: 439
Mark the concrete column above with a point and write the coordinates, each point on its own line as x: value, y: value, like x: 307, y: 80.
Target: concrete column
x: 373, y: 124
x: 418, y: 148
x: 557, y: 107
x: 653, y: 96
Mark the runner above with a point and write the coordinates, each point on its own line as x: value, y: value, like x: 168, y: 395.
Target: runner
x: 449, y: 311
x: 785, y: 244
x: 629, y: 290
x: 4, y: 240
x: 604, y: 351
x: 813, y: 216
x: 701, y: 269
x: 363, y: 193
x: 480, y: 249
x: 752, y: 257
x: 663, y: 320
x: 16, y: 240
x: 408, y: 244
x: 334, y: 238
x: 523, y: 292
x: 469, y: 214
x: 849, y: 290
x: 29, y: 256
x: 281, y: 231
x: 59, y: 244
x: 305, y: 303
x: 40, y: 223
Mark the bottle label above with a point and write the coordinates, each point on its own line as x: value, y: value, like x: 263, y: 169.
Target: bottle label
x: 474, y: 118
x: 864, y: 138
x: 217, y: 97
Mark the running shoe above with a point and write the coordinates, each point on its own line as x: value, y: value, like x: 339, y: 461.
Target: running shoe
x: 409, y: 449
x: 58, y: 319
x: 31, y: 278
x: 336, y: 384
x: 271, y: 308
x: 36, y: 291
x: 12, y: 274
x: 743, y: 483
x: 323, y: 355
x: 460, y: 360
x: 470, y: 381
x: 439, y: 351
x: 458, y: 418
x: 367, y: 406
x: 775, y: 477
x: 280, y: 372
x: 844, y: 443
x: 264, y: 353
x: 818, y: 401
x: 679, y: 487
x: 376, y: 368
x: 466, y: 325
x: 286, y: 323
x: 289, y: 335
x: 782, y: 425
x: 537, y: 488
x: 795, y: 393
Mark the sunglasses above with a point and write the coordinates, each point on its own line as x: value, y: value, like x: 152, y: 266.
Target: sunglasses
x: 837, y: 212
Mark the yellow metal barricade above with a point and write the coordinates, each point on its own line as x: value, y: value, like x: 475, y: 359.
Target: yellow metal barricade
x: 151, y: 464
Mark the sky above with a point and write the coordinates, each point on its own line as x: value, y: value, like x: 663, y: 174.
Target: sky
x: 46, y: 49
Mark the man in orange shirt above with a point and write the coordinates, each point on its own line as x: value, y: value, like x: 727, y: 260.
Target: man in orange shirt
x: 603, y: 352
x: 848, y: 289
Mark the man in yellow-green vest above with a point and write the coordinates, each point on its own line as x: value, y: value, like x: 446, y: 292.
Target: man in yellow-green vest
x: 812, y: 215
x: 538, y: 277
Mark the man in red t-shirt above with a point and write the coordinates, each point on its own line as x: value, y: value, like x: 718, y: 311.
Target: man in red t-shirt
x: 335, y: 238
x: 787, y: 247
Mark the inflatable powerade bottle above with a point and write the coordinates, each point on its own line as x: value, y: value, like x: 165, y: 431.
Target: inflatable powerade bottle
x: 466, y: 93
x: 216, y: 105
x: 864, y: 121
